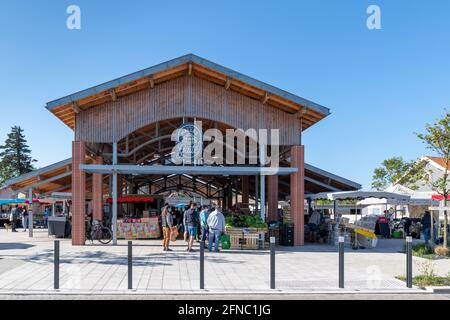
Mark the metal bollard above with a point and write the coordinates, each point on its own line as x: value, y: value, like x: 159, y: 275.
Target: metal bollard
x: 272, y: 262
x: 130, y: 265
x: 202, y: 264
x: 56, y: 265
x: 409, y: 276
x: 341, y: 262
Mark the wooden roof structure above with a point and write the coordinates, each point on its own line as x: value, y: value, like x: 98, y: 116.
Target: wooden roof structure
x: 68, y: 107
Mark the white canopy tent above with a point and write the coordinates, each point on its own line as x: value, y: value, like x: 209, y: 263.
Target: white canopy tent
x: 358, y: 195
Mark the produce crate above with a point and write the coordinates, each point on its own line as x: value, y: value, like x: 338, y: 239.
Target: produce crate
x: 246, y: 238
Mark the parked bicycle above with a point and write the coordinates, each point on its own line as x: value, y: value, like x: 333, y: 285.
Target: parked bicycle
x: 99, y: 232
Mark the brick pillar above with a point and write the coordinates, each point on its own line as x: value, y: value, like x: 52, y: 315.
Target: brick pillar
x: 78, y: 193
x: 298, y: 194
x: 245, y: 191
x: 272, y: 197
x: 97, y: 192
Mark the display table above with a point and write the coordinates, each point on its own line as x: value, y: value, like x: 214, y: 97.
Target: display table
x: 246, y: 238
x: 147, y: 228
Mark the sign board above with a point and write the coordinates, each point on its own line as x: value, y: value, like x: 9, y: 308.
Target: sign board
x: 189, y: 144
x: 439, y: 208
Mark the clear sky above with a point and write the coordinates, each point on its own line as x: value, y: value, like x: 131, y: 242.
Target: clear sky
x: 381, y: 85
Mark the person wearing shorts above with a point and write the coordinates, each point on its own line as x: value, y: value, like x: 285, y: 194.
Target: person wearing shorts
x: 191, y: 219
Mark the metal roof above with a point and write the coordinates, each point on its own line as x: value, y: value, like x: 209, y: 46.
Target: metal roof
x: 191, y: 170
x: 37, y: 172
x: 346, y: 195
x: 189, y: 58
x: 332, y: 176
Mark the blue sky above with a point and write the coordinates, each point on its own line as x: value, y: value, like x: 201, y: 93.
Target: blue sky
x: 381, y: 85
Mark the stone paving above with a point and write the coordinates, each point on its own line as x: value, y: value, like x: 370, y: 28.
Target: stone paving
x: 26, y: 265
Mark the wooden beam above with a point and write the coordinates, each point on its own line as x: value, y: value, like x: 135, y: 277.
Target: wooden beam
x: 190, y: 69
x: 75, y: 107
x: 228, y: 83
x: 152, y: 81
x: 113, y: 94
x: 266, y: 98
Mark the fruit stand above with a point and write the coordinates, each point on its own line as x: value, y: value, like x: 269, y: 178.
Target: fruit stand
x: 246, y: 232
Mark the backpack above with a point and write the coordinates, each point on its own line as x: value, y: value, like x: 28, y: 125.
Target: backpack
x: 191, y: 217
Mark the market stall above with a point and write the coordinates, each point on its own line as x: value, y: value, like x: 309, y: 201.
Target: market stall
x: 139, y: 217
x: 246, y: 232
x: 361, y: 233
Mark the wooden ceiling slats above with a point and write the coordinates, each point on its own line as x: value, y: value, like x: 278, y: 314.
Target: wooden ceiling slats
x: 66, y: 114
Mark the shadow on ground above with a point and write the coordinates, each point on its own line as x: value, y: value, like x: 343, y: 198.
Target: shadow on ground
x: 14, y: 245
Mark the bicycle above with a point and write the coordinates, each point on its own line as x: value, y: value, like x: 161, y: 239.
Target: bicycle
x: 99, y: 232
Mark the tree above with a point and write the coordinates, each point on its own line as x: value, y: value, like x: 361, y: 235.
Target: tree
x: 396, y: 171
x: 437, y: 139
x: 15, y: 158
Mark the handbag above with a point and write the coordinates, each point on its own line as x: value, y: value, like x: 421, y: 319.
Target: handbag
x: 173, y: 234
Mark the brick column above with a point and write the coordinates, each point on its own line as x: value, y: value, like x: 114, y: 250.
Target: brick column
x: 298, y: 194
x: 272, y: 182
x: 78, y: 193
x: 245, y: 191
x: 97, y: 192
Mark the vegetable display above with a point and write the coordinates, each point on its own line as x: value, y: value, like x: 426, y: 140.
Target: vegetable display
x: 245, y: 221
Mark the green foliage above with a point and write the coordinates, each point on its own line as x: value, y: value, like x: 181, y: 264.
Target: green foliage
x: 421, y: 250
x: 245, y: 221
x: 395, y: 171
x: 437, y: 139
x: 427, y: 281
x: 15, y: 158
x: 322, y: 202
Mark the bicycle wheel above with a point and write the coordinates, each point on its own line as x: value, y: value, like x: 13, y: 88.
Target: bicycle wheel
x: 104, y: 236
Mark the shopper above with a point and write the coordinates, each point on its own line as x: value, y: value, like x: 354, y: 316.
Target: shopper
x: 46, y: 215
x: 185, y: 229
x: 204, y: 222
x: 216, y: 224
x: 426, y: 225
x: 25, y: 220
x: 167, y: 224
x: 13, y: 217
x: 191, y: 219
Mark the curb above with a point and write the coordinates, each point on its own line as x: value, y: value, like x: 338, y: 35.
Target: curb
x: 213, y: 293
x: 438, y: 290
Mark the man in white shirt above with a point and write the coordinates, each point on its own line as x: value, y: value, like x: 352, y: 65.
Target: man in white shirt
x: 216, y: 224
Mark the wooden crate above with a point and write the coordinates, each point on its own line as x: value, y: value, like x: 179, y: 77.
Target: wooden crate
x: 251, y: 241
x: 236, y: 240
x: 246, y: 238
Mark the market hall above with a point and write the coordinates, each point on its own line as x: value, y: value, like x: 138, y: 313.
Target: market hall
x: 122, y: 150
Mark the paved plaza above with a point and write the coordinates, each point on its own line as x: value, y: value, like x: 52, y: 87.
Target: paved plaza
x: 26, y: 266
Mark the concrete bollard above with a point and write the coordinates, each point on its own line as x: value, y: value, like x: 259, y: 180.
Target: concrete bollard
x: 56, y: 265
x: 272, y: 262
x: 202, y: 264
x: 409, y: 275
x: 130, y: 265
x: 341, y: 262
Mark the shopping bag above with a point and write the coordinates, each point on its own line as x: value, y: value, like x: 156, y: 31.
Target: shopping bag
x: 225, y: 241
x: 173, y: 234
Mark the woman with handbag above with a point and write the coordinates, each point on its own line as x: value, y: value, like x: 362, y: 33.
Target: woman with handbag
x: 167, y: 224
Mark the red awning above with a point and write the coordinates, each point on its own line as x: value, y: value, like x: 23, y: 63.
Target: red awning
x: 130, y: 199
x: 439, y: 197
x: 36, y: 201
